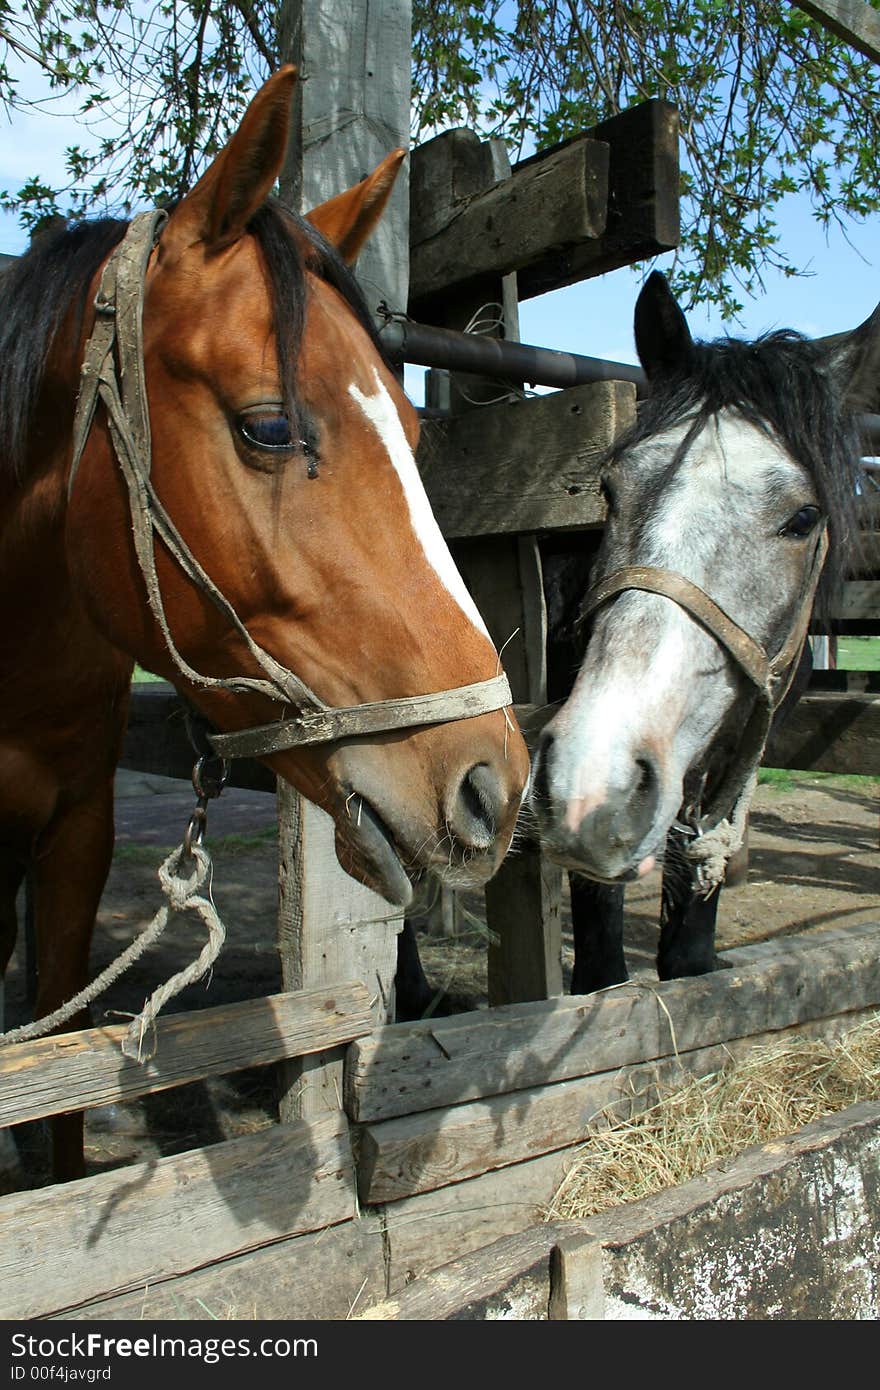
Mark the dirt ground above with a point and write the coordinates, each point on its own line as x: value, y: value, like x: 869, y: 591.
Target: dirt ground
x: 814, y: 862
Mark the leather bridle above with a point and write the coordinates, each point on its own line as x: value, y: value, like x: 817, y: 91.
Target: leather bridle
x: 113, y: 371
x: 771, y: 676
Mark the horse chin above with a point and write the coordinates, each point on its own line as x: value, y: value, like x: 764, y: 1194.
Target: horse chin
x: 577, y: 859
x: 366, y: 849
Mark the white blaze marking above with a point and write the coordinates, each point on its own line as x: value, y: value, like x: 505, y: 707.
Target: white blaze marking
x: 382, y: 415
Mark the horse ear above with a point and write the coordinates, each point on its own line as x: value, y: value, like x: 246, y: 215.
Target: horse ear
x: 852, y: 361
x: 663, y: 339
x: 349, y: 219
x: 238, y: 182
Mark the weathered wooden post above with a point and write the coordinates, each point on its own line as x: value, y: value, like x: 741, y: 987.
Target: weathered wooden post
x: 523, y: 901
x: 351, y: 109
x: 483, y: 234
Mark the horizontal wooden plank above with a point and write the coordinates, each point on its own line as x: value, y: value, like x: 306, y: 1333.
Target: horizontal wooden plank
x: 433, y: 1228
x: 546, y: 209
x: 407, y: 1068
x: 419, y: 1153
x: 67, y: 1244
x: 718, y: 1247
x: 509, y: 1279
x: 861, y: 599
x: 641, y: 210
x: 524, y: 465
x: 325, y: 1274
x: 76, y: 1071
x: 829, y: 732
x: 846, y: 681
x: 643, y: 199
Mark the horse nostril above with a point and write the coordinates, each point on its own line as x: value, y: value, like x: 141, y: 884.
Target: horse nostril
x: 477, y: 807
x: 635, y: 807
x: 646, y: 777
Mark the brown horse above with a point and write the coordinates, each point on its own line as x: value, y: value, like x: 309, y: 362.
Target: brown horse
x: 281, y: 458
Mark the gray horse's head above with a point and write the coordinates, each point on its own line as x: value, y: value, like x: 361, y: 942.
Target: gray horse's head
x: 739, y: 475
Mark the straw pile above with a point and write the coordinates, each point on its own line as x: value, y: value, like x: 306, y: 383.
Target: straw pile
x: 776, y: 1091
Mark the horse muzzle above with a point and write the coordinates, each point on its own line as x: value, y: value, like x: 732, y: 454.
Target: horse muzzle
x: 614, y: 832
x: 391, y: 849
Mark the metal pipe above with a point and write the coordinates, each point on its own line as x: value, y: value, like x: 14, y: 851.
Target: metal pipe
x: 424, y: 346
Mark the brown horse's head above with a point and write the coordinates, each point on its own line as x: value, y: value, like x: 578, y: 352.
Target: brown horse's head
x: 282, y: 449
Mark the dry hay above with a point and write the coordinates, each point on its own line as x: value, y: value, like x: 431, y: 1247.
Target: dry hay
x: 776, y: 1091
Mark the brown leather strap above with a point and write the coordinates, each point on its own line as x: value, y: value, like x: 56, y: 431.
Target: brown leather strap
x: 326, y: 726
x: 748, y: 653
x: 772, y: 678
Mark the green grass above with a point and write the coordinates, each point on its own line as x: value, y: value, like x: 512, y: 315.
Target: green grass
x: 228, y: 845
x: 858, y: 653
x: 140, y: 675
x: 784, y: 779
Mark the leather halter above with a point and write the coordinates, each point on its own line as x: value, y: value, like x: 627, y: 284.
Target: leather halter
x: 772, y: 677
x: 117, y: 336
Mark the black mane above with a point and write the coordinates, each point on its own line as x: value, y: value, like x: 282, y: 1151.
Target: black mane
x: 41, y: 287
x: 780, y: 384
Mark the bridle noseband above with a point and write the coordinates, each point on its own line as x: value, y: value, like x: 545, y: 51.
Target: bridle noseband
x: 117, y: 336
x: 771, y: 676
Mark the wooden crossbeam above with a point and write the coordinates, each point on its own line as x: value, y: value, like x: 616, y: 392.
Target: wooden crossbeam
x: 606, y: 198
x: 829, y: 732
x: 853, y: 21
x: 76, y: 1071
x: 415, y: 1067
x: 133, y: 1226
x: 524, y: 465
x: 555, y: 203
x: 424, y: 1152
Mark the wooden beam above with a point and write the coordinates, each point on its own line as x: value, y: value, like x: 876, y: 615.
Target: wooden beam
x: 156, y: 740
x: 322, y: 1275
x: 853, y: 21
x: 555, y: 203
x: 717, y: 1247
x: 420, y: 1153
x: 351, y: 109
x: 829, y: 732
x: 330, y: 927
x: 409, y: 1068
x: 643, y: 199
x: 861, y: 600
x: 77, y: 1071
x: 577, y: 1286
x: 78, y: 1241
x: 525, y: 963
x: 605, y: 198
x: 524, y: 465
x: 508, y: 1279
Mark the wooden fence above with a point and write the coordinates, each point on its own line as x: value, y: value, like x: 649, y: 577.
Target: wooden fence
x: 453, y: 1132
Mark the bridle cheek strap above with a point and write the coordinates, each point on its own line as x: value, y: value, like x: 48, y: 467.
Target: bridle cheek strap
x: 772, y: 678
x: 113, y: 372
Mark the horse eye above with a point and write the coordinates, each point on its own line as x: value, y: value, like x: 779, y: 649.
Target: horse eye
x: 801, y: 524
x: 267, y: 429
